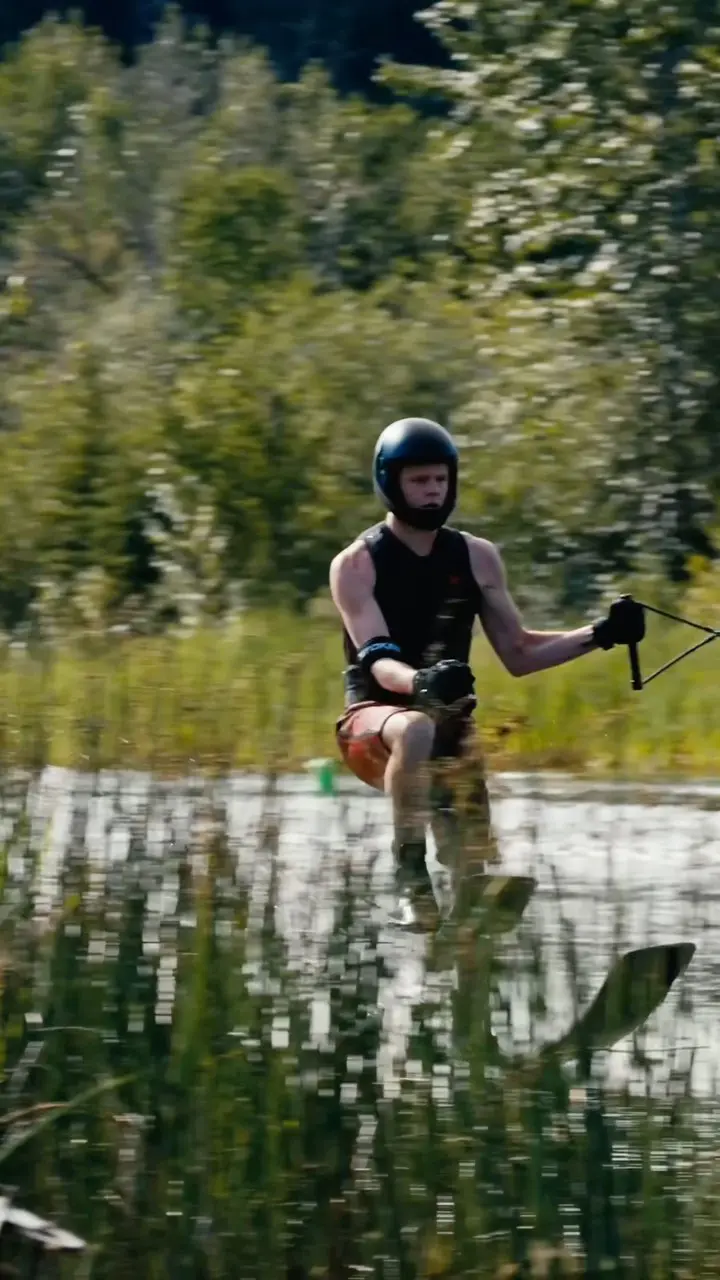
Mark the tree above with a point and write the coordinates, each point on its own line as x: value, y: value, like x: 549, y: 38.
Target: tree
x: 598, y: 190
x: 347, y: 36
x: 237, y: 234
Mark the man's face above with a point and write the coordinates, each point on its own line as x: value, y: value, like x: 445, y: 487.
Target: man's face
x: 425, y: 486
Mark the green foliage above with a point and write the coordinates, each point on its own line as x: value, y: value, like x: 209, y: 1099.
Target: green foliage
x: 278, y: 419
x: 44, y: 85
x: 220, y: 287
x: 598, y: 190
x: 236, y: 234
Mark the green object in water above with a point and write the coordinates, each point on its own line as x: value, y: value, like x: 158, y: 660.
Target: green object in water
x: 324, y: 771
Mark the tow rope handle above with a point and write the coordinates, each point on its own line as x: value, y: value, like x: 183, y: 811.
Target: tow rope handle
x: 636, y: 680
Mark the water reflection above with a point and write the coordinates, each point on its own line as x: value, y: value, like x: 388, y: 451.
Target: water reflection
x: 220, y: 1059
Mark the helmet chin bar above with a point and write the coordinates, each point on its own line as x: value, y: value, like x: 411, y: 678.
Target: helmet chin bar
x: 426, y: 519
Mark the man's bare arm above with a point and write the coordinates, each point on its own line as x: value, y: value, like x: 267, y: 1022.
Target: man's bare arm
x: 352, y: 578
x: 520, y: 650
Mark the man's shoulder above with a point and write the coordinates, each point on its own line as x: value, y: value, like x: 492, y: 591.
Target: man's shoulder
x: 356, y: 556
x: 359, y: 548
x: 486, y: 561
x: 481, y: 549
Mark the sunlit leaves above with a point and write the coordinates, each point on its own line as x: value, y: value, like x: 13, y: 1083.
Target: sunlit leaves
x: 602, y: 178
x: 260, y: 276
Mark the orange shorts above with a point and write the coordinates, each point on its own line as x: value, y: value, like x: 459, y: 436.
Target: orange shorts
x: 359, y: 735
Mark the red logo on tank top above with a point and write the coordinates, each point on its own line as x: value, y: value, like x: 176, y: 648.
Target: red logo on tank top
x: 454, y: 582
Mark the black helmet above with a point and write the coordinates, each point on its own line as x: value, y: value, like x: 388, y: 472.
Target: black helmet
x: 414, y: 442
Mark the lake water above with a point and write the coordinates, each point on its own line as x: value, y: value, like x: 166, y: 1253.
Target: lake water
x: 341, y: 1104
x: 618, y: 866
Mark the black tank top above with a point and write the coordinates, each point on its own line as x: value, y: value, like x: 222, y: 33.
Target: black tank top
x: 428, y: 602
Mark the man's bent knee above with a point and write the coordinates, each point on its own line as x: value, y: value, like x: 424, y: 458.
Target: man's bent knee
x: 410, y: 736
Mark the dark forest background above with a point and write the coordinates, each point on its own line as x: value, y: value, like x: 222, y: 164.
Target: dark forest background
x: 348, y: 36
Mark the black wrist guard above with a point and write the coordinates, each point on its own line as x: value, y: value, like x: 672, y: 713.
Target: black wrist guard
x: 378, y: 647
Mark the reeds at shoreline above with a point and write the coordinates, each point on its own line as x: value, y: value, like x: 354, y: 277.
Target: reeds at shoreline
x: 265, y: 691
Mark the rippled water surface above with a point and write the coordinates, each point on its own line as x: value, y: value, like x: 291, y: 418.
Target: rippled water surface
x: 202, y: 940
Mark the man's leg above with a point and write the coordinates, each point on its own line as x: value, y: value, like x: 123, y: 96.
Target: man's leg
x: 460, y: 816
x: 462, y: 824
x: 460, y: 803
x: 409, y: 735
x: 390, y: 749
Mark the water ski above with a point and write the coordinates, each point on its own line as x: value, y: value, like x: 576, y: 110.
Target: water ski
x: 491, y: 901
x: 498, y: 901
x: 635, y: 987
x: 504, y: 894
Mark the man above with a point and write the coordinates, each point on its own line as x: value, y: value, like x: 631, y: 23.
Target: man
x: 408, y: 591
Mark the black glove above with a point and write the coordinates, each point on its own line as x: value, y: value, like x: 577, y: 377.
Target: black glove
x: 443, y: 684
x: 625, y: 624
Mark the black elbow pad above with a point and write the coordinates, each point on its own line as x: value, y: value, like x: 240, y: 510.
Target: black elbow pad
x: 378, y: 647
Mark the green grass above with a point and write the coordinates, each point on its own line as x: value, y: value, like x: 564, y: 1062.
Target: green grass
x: 264, y: 692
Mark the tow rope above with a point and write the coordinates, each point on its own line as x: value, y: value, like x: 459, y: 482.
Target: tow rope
x: 637, y: 681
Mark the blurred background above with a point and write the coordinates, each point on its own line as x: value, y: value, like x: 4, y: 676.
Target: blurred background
x: 236, y: 241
